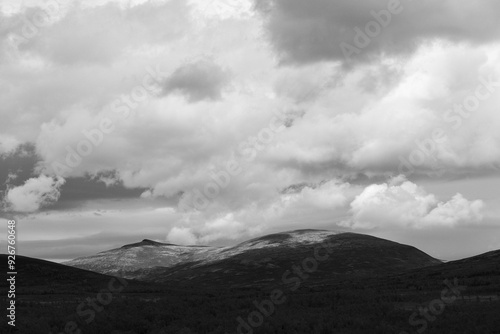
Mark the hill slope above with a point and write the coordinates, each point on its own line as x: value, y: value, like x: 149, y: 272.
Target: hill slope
x: 261, y: 259
x: 321, y: 255
x: 35, y: 276
x: 366, y: 285
x: 131, y: 260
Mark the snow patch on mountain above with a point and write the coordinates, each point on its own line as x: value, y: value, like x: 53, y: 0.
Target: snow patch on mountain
x: 128, y: 260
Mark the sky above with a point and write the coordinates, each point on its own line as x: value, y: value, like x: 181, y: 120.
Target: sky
x: 210, y: 122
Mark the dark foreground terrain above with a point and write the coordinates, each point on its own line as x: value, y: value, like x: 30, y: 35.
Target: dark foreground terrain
x: 273, y: 296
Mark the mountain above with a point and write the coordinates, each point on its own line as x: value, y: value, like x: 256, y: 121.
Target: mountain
x: 365, y: 285
x: 45, y: 277
x: 481, y: 272
x: 130, y: 261
x: 262, y: 259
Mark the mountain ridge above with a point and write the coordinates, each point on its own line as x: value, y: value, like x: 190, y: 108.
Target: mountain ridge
x: 353, y: 253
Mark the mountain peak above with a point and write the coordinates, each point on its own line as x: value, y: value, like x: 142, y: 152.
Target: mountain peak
x: 352, y: 254
x: 147, y: 242
x: 295, y: 236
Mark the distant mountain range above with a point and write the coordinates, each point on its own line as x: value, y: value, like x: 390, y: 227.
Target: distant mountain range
x: 331, y: 283
x: 261, y: 259
x: 131, y: 260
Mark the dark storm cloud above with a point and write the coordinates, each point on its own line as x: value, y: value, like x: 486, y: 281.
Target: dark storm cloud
x: 102, y: 186
x: 17, y: 166
x: 200, y: 80
x: 20, y: 165
x: 359, y: 30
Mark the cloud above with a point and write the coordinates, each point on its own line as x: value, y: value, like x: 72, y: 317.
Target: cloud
x: 17, y: 165
x: 82, y: 35
x: 7, y: 144
x: 329, y: 196
x: 320, y: 30
x: 200, y: 80
x: 402, y: 203
x: 182, y: 236
x: 340, y: 125
x: 349, y: 128
x: 456, y: 210
x: 226, y: 227
x: 198, y: 229
x: 35, y: 194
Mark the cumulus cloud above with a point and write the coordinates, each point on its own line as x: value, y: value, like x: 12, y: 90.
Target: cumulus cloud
x: 17, y: 166
x: 7, y: 144
x: 226, y: 227
x: 402, y: 203
x: 304, y: 32
x: 181, y: 236
x: 197, y: 81
x: 35, y: 194
x: 456, y: 210
x: 197, y: 229
x: 80, y: 35
x: 222, y: 85
x: 349, y: 129
x: 168, y: 143
x: 328, y: 195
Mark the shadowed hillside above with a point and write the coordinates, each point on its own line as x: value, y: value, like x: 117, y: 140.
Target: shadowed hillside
x: 366, y: 285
